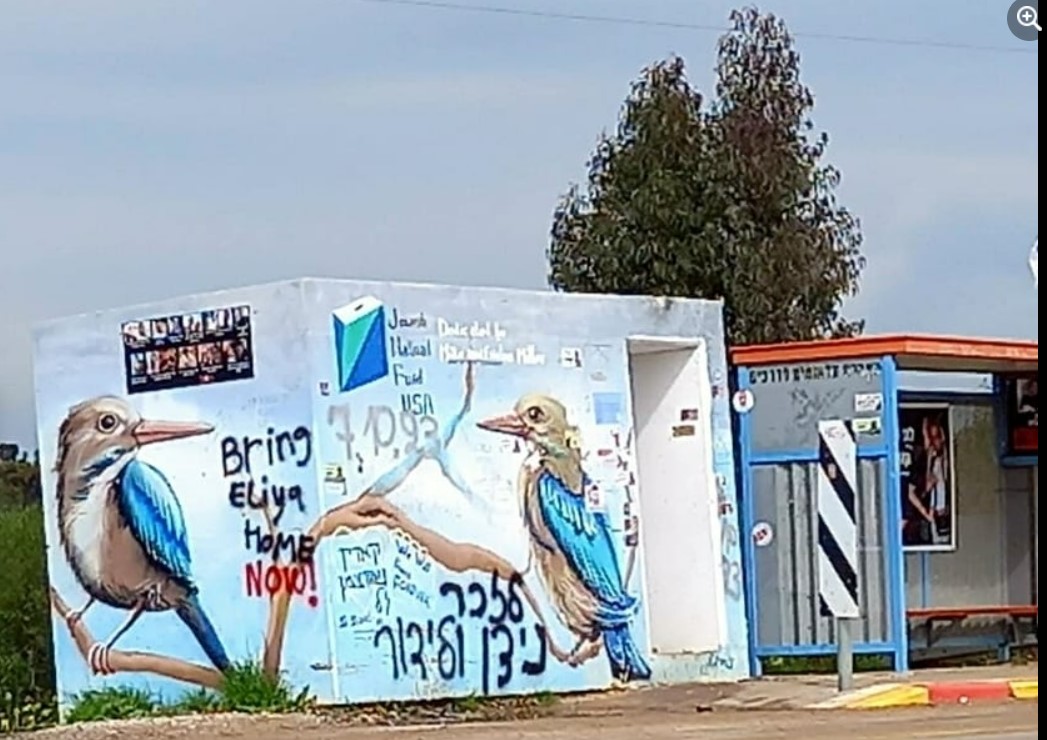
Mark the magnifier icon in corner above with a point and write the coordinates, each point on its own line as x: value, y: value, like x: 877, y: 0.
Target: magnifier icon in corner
x: 1028, y: 17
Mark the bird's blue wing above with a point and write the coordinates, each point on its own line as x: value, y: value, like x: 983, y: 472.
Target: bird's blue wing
x: 584, y: 537
x: 151, y: 509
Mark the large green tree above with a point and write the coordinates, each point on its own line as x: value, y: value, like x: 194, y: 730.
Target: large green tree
x: 721, y: 199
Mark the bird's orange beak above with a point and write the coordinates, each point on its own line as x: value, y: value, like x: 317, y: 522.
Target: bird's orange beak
x: 508, y: 424
x: 151, y: 432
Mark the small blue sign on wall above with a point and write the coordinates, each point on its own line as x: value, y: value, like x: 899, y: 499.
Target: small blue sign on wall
x: 608, y: 408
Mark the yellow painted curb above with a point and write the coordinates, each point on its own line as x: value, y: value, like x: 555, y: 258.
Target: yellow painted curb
x: 892, y: 696
x: 1026, y: 689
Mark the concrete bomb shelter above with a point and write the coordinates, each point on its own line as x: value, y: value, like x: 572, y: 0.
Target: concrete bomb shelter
x: 945, y: 501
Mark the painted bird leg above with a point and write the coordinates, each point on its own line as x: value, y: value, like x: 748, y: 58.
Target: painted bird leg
x: 586, y: 649
x: 73, y: 617
x: 98, y: 655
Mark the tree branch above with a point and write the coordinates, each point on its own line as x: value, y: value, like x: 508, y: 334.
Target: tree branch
x: 135, y: 662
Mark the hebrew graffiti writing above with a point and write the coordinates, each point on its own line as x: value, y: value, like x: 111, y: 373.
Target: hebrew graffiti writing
x: 505, y: 647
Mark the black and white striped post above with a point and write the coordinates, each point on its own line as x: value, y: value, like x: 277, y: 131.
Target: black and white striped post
x: 838, y: 537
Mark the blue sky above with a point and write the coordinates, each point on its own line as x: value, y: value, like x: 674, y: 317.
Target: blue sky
x: 153, y: 149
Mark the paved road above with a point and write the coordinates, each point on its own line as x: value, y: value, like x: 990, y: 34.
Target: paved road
x: 1015, y: 721
x: 1010, y: 722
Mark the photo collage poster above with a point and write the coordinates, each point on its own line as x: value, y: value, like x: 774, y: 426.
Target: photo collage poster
x: 179, y: 351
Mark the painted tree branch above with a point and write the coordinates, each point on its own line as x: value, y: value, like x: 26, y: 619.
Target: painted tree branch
x: 371, y: 509
x: 136, y: 662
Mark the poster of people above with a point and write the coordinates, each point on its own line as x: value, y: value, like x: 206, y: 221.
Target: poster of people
x: 168, y: 352
x: 927, y: 477
x: 1023, y: 416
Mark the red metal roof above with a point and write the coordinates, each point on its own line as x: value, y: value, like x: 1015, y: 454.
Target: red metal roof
x: 911, y: 351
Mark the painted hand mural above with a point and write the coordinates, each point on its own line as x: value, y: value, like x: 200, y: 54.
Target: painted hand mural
x: 124, y: 536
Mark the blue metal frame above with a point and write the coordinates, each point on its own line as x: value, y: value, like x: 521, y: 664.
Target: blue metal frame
x: 892, y: 515
x: 788, y: 651
x: 748, y: 460
x: 745, y: 506
x: 1002, y: 443
x: 789, y: 457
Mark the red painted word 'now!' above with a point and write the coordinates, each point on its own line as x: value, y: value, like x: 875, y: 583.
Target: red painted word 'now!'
x: 266, y: 578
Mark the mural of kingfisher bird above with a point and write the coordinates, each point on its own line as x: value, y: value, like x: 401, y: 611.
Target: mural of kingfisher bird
x: 572, y: 545
x: 121, y: 525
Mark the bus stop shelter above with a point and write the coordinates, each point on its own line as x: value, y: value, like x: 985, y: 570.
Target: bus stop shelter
x: 946, y: 503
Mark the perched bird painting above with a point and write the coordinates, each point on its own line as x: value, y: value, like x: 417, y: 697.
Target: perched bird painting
x: 572, y: 545
x: 121, y: 525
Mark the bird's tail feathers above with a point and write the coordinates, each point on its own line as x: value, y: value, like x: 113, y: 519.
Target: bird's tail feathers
x: 192, y: 613
x: 627, y: 662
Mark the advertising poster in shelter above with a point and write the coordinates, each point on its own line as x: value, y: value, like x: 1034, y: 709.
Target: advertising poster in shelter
x: 1023, y: 416
x: 927, y: 477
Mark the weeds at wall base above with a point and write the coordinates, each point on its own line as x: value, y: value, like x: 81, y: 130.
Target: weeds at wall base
x: 247, y: 689
x: 23, y: 715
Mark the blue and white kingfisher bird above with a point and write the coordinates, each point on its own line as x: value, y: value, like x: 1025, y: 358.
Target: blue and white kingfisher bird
x: 121, y: 524
x: 572, y: 545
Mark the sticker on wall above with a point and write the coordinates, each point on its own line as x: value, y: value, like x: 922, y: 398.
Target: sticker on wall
x: 763, y: 534
x: 683, y: 430
x: 571, y: 357
x: 594, y: 498
x: 325, y: 388
x: 608, y: 408
x: 632, y: 531
x: 183, y: 350
x: 868, y: 403
x: 334, y: 481
x: 743, y: 401
x: 688, y: 414
x: 359, y: 341
x: 870, y: 425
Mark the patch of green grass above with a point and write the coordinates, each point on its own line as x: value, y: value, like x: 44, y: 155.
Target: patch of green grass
x: 112, y: 703
x: 546, y: 698
x: 201, y: 701
x: 247, y: 688
x: 21, y: 714
x: 467, y: 704
x: 799, y: 665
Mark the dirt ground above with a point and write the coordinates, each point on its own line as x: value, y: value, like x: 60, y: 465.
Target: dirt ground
x: 681, y: 715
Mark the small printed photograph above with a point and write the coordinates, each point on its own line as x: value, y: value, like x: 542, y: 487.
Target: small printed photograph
x: 152, y: 363
x: 132, y: 333
x: 210, y: 356
x: 187, y: 358
x: 160, y: 329
x: 210, y: 322
x: 138, y: 363
x: 235, y: 351
x: 242, y: 319
x: 193, y: 325
x: 222, y: 319
x: 167, y: 361
x: 174, y: 327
